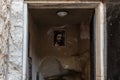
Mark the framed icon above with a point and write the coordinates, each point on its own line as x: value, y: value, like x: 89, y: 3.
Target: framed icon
x: 59, y: 38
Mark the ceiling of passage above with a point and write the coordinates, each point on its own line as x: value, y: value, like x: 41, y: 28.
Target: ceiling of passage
x: 50, y: 17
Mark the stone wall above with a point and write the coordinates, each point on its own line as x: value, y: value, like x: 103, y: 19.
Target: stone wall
x: 11, y: 39
x: 4, y: 36
x: 15, y: 41
x: 113, y: 41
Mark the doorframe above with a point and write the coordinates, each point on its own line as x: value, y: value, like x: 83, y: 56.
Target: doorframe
x: 99, y: 30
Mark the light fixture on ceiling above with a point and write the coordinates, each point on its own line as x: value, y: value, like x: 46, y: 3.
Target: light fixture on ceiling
x: 62, y: 13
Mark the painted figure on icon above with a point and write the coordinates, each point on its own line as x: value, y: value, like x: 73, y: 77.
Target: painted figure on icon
x: 59, y: 38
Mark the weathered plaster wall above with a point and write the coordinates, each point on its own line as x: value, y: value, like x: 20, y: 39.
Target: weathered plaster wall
x: 75, y: 55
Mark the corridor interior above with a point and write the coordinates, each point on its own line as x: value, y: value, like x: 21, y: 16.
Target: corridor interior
x: 60, y: 44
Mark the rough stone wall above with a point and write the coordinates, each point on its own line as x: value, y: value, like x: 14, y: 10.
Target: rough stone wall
x: 15, y: 41
x: 11, y: 39
x: 113, y: 39
x: 4, y: 33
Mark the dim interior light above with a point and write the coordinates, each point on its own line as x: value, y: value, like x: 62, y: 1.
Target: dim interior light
x: 62, y: 13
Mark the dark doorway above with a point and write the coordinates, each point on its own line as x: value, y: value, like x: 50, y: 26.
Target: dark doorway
x: 73, y: 57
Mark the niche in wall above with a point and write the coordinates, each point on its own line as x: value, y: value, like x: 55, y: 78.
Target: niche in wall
x: 73, y: 51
